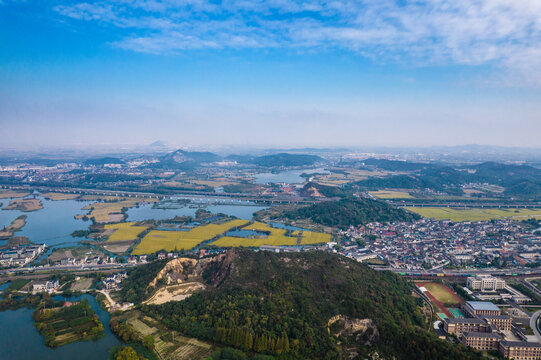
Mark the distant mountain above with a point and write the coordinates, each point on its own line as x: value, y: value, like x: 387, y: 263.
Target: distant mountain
x: 286, y: 159
x: 185, y: 160
x: 395, y: 165
x: 518, y: 180
x: 181, y: 156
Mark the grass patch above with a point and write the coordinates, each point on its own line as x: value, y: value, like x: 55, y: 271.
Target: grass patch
x: 388, y: 194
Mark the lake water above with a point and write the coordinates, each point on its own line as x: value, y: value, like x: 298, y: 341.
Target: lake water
x: 51, y: 225
x: 54, y: 224
x: 146, y: 212
x: 289, y: 176
x: 19, y: 340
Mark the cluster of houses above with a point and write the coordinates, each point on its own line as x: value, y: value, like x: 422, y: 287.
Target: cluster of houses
x: 85, y: 260
x: 45, y: 286
x: 114, y: 282
x: 485, y: 328
x: 426, y: 243
x: 20, y: 255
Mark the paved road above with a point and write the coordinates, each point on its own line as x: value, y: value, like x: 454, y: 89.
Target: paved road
x: 533, y: 325
x: 65, y: 267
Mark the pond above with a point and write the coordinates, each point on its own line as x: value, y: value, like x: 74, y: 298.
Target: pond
x: 19, y: 339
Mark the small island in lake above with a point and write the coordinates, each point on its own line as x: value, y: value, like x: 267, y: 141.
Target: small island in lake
x: 25, y: 205
x: 68, y: 323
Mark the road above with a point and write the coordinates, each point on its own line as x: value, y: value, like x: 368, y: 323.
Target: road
x: 54, y: 268
x: 533, y: 325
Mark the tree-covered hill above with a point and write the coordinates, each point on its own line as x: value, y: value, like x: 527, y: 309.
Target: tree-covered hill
x: 281, y: 304
x: 349, y: 211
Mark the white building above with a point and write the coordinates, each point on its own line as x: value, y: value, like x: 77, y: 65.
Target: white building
x: 485, y: 283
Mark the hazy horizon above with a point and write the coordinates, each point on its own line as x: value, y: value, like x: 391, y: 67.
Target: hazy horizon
x: 270, y: 73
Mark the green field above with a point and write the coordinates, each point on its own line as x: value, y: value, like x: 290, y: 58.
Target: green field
x: 474, y: 214
x: 124, y: 231
x: 157, y: 240
x: 441, y: 293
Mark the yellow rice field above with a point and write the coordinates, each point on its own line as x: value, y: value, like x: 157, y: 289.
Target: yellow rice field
x: 474, y: 214
x: 125, y: 231
x: 157, y: 240
x: 276, y: 237
x: 310, y: 237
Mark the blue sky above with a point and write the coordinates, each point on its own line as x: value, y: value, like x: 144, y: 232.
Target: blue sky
x: 276, y: 73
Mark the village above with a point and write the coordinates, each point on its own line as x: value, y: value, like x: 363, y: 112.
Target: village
x: 430, y: 244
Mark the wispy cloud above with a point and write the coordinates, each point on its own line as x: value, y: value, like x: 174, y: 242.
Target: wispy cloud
x: 503, y: 33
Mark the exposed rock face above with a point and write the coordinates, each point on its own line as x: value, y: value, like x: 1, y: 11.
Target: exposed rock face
x: 364, y: 330
x: 176, y: 271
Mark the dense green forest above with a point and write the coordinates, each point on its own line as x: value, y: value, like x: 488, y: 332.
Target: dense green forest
x: 348, y: 211
x: 280, y: 305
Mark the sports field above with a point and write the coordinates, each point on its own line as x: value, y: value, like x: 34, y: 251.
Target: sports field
x: 474, y: 214
x: 388, y: 194
x: 157, y: 240
x: 456, y: 313
x: 442, y: 293
x: 124, y: 231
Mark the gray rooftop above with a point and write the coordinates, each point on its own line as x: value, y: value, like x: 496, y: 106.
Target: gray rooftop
x: 520, y: 344
x: 482, y: 305
x: 482, y: 335
x: 464, y: 321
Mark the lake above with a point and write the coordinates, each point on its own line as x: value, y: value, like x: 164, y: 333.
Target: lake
x: 51, y: 225
x: 19, y: 340
x: 54, y: 224
x: 146, y: 212
x: 288, y: 177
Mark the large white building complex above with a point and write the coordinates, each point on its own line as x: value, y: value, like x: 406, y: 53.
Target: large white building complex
x: 485, y: 283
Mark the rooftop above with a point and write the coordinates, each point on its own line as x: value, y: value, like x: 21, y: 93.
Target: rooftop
x: 482, y: 305
x: 482, y: 335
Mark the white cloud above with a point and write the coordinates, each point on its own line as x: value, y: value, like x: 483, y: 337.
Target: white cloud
x: 503, y: 33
